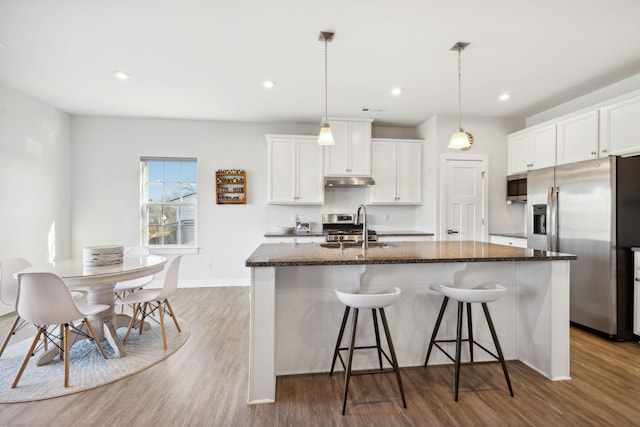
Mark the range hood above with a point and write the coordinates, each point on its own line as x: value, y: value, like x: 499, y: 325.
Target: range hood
x: 348, y: 181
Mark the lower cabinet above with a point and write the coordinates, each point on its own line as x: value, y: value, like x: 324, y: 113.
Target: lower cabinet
x: 508, y: 241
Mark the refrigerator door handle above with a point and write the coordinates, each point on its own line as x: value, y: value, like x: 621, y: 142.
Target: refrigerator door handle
x: 552, y: 219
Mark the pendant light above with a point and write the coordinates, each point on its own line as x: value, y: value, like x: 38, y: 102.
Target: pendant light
x: 460, y: 140
x: 325, y: 137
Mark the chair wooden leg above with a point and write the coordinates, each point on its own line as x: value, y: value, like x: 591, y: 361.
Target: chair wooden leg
x: 26, y: 359
x: 95, y: 337
x: 340, y: 334
x: 134, y: 316
x: 347, y: 372
x: 11, y: 332
x: 392, y: 350
x: 436, y: 328
x: 66, y: 354
x: 173, y: 316
x: 164, y: 333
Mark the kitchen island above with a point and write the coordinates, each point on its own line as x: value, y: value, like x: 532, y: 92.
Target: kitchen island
x: 295, y: 318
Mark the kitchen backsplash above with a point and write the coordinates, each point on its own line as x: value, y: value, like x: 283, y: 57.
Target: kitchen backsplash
x: 344, y: 200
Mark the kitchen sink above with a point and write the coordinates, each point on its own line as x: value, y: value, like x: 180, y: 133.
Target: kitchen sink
x: 336, y: 245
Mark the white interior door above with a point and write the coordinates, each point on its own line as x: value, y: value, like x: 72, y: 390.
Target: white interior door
x: 465, y: 199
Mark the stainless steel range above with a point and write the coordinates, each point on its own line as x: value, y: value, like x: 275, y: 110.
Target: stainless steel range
x: 343, y: 228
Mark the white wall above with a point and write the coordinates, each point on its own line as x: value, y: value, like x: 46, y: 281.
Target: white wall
x: 489, y: 139
x: 35, y: 179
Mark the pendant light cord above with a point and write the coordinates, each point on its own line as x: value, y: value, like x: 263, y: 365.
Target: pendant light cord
x: 459, y: 80
x: 326, y: 119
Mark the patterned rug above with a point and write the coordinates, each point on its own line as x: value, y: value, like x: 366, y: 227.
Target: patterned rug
x: 87, y: 368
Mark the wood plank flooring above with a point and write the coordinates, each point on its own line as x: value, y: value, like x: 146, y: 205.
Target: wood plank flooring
x: 205, y: 384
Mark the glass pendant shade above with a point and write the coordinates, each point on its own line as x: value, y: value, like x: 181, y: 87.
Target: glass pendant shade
x: 325, y: 137
x: 461, y: 140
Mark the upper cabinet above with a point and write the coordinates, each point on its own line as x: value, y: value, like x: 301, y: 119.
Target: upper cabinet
x: 531, y: 149
x: 294, y: 170
x: 617, y: 128
x: 578, y: 138
x: 351, y: 154
x: 396, y: 167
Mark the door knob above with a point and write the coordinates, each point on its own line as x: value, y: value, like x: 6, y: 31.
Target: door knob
x: 450, y: 231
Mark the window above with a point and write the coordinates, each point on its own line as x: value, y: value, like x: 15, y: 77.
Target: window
x: 168, y: 198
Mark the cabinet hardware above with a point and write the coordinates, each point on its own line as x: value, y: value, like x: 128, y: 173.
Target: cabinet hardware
x: 450, y: 231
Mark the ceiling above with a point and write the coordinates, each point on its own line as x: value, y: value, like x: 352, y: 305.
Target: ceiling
x: 199, y: 59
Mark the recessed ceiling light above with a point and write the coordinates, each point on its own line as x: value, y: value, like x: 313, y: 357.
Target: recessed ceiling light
x: 396, y: 91
x: 268, y: 84
x: 504, y: 97
x: 121, y: 75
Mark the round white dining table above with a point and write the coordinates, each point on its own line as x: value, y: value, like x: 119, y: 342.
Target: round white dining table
x: 99, y: 283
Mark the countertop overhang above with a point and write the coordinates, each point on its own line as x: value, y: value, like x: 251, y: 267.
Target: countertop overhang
x: 310, y: 254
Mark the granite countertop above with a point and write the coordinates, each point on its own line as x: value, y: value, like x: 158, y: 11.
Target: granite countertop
x: 513, y: 235
x: 387, y: 233
x: 302, y: 254
x: 319, y: 233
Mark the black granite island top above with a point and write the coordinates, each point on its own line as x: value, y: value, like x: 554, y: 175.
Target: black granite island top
x: 309, y: 254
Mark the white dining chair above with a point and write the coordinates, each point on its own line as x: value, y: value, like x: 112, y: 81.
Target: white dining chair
x: 9, y: 291
x: 128, y: 286
x: 44, y: 300
x: 146, y: 302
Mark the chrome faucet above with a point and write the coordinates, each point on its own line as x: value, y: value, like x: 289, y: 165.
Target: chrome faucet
x: 356, y: 221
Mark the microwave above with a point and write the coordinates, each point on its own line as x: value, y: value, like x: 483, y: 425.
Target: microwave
x: 517, y: 188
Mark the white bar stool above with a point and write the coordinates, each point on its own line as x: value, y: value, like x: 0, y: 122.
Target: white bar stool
x: 374, y: 302
x: 480, y: 294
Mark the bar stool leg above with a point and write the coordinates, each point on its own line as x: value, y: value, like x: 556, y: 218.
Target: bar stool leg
x: 470, y: 331
x: 497, y: 344
x: 374, y: 316
x: 394, y: 360
x: 347, y: 372
x: 435, y: 329
x: 337, y: 349
x: 458, y: 345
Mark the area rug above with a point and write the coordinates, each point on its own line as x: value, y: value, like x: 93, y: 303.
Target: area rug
x: 87, y: 368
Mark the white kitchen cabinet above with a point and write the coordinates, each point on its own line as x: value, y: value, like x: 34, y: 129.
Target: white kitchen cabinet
x: 396, y: 167
x: 636, y: 292
x: 618, y: 126
x: 295, y: 170
x: 531, y: 149
x: 577, y: 138
x: 351, y: 154
x: 508, y: 241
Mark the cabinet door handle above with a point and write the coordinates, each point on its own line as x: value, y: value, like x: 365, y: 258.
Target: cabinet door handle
x: 450, y: 231
x: 593, y: 153
x: 604, y: 150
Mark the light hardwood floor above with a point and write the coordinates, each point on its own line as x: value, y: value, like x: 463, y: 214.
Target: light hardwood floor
x: 205, y: 384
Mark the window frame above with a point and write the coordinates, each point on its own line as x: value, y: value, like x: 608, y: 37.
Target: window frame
x: 166, y: 248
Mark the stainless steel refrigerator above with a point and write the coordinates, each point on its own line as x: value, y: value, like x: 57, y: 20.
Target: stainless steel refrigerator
x: 591, y: 209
